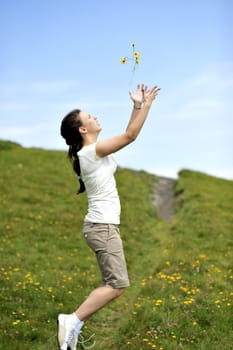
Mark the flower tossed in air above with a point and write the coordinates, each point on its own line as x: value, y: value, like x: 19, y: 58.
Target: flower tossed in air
x: 135, y: 57
x: 123, y: 60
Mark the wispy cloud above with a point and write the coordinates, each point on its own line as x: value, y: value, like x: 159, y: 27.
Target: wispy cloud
x: 14, y: 107
x: 207, y: 95
x: 37, y: 87
x: 15, y: 132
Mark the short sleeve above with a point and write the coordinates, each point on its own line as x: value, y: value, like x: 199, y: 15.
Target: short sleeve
x: 88, y: 159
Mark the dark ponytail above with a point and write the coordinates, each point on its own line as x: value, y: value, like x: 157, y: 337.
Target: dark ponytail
x: 70, y: 131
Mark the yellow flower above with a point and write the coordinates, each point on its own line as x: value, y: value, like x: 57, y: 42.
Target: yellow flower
x: 202, y: 256
x: 143, y: 282
x: 16, y: 322
x: 136, y: 54
x: 123, y: 60
x: 158, y: 302
x: 134, y: 57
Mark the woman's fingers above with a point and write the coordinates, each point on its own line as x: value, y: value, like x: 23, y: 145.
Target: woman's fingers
x: 155, y: 90
x: 144, y: 91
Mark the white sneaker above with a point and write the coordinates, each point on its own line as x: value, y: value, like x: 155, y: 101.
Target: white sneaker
x: 67, y: 336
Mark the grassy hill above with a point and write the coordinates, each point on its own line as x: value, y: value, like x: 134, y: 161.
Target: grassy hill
x: 181, y: 273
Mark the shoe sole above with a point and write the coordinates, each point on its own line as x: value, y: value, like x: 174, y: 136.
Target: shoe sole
x: 68, y: 347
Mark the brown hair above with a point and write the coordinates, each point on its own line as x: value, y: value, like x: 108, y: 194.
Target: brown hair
x: 70, y: 131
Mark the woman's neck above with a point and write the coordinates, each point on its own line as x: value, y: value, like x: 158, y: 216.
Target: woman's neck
x: 89, y: 139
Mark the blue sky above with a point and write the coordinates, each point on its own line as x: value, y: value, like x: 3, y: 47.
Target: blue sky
x: 59, y: 55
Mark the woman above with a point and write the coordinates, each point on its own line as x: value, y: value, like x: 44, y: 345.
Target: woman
x: 94, y: 165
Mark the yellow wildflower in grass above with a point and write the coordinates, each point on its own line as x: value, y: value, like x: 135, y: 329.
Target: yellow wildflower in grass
x: 202, y: 256
x: 143, y: 282
x: 137, y: 305
x: 218, y: 303
x: 158, y: 302
x: 169, y: 278
x: 189, y: 301
x: 15, y: 323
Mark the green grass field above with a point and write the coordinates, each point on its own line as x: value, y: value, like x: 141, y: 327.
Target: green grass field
x: 181, y: 273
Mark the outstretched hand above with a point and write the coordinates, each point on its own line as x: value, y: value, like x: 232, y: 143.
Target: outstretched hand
x: 138, y: 96
x: 143, y: 94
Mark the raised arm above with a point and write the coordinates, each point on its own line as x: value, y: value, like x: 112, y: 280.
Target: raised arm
x: 142, y: 99
x: 138, y: 100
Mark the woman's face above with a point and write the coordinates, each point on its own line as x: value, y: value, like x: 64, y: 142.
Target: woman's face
x: 90, y: 122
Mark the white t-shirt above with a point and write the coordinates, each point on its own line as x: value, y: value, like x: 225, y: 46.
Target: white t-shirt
x: 98, y: 177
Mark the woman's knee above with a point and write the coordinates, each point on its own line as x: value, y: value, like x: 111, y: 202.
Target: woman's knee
x: 118, y: 292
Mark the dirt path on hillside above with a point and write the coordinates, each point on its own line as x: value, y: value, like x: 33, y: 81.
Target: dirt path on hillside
x: 163, y: 198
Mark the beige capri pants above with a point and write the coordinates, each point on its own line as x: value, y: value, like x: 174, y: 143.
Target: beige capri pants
x: 105, y: 241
